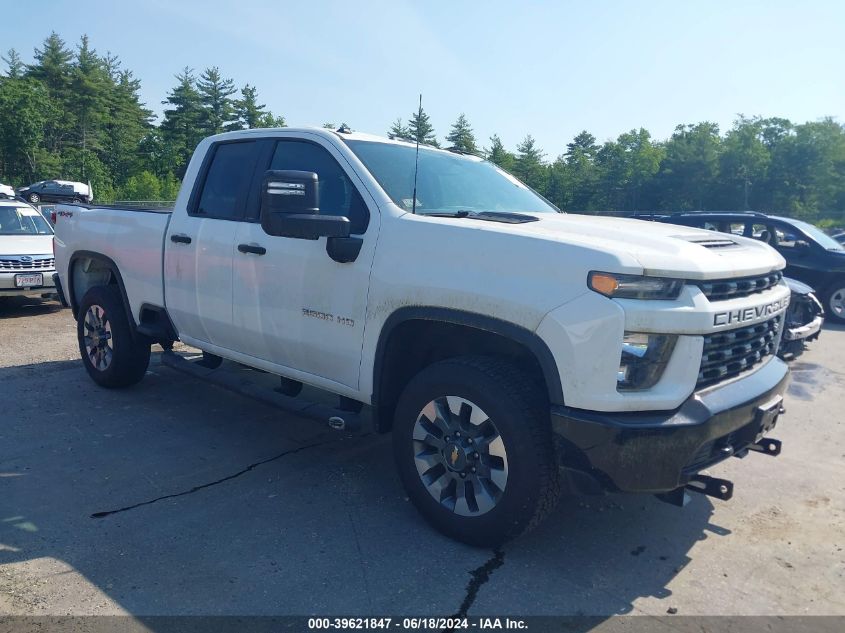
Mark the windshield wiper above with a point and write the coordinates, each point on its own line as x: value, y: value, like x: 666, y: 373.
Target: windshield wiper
x: 462, y: 213
x: 505, y: 217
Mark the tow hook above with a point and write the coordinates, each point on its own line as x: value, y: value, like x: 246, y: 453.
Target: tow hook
x: 702, y: 484
x: 711, y: 486
x: 767, y: 446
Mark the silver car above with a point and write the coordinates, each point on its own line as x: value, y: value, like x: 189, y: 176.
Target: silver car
x: 26, y: 251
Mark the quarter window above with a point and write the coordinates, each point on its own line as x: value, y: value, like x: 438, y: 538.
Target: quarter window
x: 338, y: 196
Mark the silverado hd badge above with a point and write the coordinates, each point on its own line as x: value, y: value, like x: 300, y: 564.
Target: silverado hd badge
x: 750, y: 314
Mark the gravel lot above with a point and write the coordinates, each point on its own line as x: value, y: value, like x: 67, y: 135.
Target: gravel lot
x: 222, y: 505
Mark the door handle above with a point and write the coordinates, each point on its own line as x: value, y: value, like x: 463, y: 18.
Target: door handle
x: 180, y: 238
x: 252, y: 248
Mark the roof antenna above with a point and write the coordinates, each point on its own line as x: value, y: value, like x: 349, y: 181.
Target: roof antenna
x: 416, y: 164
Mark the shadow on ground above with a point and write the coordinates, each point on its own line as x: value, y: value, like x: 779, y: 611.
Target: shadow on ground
x: 16, y: 307
x: 212, y: 504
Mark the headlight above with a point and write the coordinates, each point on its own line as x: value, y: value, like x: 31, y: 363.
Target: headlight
x: 618, y: 286
x: 644, y: 357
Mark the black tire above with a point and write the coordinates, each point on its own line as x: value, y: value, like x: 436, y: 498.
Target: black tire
x: 127, y: 358
x: 34, y: 198
x: 518, y: 408
x: 834, y: 302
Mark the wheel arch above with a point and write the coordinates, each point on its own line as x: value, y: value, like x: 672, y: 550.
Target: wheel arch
x: 87, y: 269
x: 414, y: 337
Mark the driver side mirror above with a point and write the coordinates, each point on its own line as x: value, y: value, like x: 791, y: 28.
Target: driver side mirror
x: 290, y: 207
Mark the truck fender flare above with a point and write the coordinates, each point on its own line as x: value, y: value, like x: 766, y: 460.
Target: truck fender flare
x: 530, y: 340
x: 115, y: 271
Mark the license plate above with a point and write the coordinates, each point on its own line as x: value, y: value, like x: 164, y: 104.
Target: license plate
x: 766, y: 416
x: 27, y: 281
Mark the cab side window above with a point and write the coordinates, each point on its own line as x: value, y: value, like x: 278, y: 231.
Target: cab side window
x: 226, y: 181
x: 338, y: 196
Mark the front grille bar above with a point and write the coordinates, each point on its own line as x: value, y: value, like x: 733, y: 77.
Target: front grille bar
x: 727, y: 354
x: 731, y: 288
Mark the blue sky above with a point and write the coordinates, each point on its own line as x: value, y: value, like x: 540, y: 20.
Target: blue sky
x: 549, y: 69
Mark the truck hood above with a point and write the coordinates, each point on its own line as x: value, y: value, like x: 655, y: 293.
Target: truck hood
x: 26, y: 244
x: 660, y: 249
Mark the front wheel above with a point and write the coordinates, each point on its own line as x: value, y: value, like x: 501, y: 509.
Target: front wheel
x: 835, y: 302
x: 34, y: 198
x: 112, y: 356
x: 473, y: 445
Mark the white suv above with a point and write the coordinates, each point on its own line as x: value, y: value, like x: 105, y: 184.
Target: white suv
x: 26, y: 251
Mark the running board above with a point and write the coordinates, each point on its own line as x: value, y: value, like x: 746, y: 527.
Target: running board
x: 335, y: 418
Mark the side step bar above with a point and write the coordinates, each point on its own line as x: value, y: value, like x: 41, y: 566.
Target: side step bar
x: 335, y: 418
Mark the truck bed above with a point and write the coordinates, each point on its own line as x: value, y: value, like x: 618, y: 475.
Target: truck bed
x: 132, y: 238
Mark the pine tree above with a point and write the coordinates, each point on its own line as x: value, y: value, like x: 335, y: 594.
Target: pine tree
x: 420, y: 129
x: 14, y: 65
x: 247, y: 110
x: 218, y: 111
x: 52, y: 65
x: 87, y: 101
x: 399, y: 131
x: 498, y: 155
x: 127, y: 123
x: 461, y: 136
x: 528, y: 165
x: 54, y: 69
x: 181, y: 128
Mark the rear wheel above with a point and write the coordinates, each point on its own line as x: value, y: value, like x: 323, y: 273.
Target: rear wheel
x: 835, y: 302
x: 112, y: 356
x: 473, y: 446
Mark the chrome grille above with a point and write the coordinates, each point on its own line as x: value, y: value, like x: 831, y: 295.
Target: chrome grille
x: 732, y: 352
x: 25, y: 262
x: 732, y: 288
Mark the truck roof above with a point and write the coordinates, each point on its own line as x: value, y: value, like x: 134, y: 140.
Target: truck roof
x: 346, y: 135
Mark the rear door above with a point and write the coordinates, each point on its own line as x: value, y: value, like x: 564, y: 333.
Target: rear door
x: 200, y: 242
x: 296, y: 307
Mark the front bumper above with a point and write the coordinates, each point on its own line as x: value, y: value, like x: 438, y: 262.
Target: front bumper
x: 662, y: 451
x: 9, y: 289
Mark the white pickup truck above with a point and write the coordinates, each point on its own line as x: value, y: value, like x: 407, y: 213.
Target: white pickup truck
x: 512, y: 350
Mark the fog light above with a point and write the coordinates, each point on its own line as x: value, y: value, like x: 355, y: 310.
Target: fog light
x: 643, y: 359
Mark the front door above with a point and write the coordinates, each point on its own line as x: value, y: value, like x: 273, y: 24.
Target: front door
x: 295, y: 307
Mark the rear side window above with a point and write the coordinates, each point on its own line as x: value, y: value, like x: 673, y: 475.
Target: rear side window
x: 227, y: 181
x: 338, y: 196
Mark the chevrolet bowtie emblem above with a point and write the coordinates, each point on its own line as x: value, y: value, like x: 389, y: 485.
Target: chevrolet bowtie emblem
x: 454, y: 456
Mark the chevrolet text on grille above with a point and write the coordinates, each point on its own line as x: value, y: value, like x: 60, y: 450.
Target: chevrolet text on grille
x: 749, y: 314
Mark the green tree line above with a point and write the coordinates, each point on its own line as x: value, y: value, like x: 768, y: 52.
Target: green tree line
x: 76, y: 114
x: 769, y: 164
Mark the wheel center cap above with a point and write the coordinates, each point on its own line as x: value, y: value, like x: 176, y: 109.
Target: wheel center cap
x: 456, y: 458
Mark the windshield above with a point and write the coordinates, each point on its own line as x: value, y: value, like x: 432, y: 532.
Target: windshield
x: 446, y: 182
x: 23, y: 221
x: 820, y: 236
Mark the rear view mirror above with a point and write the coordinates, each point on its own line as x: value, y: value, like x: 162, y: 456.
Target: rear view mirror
x: 290, y: 207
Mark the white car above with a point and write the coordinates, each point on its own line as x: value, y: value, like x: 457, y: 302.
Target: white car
x: 7, y: 190
x: 27, y: 263
x: 509, y: 348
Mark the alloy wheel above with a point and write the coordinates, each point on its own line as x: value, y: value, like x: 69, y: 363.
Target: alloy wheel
x: 460, y: 456
x: 98, y: 341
